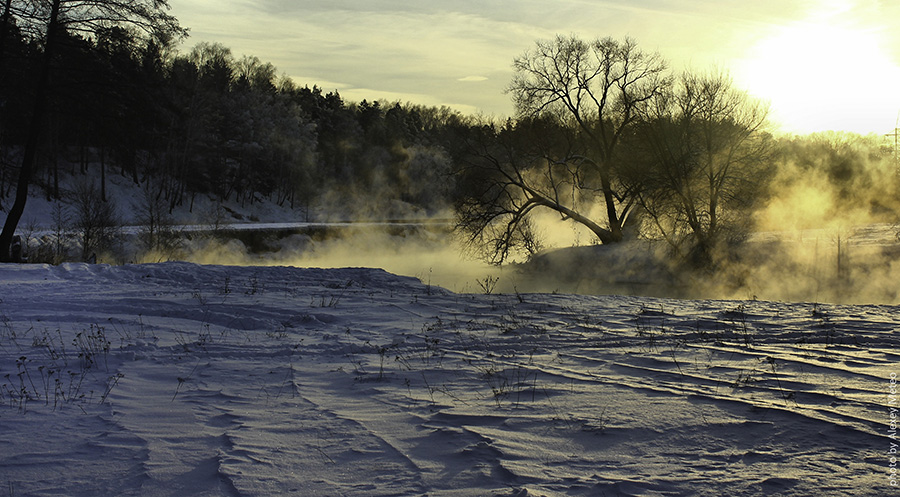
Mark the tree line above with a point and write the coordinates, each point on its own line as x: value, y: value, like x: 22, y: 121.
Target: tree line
x: 117, y: 95
x: 604, y: 135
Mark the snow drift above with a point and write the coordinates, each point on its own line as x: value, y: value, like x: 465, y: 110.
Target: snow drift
x: 183, y: 379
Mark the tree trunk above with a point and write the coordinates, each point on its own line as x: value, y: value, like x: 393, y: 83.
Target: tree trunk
x: 31, y: 143
x: 4, y: 30
x: 615, y: 225
x: 134, y: 169
x: 54, y: 163
x: 56, y: 177
x: 103, y: 173
x: 83, y: 156
x: 2, y: 186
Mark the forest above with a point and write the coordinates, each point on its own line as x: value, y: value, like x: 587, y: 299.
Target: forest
x: 208, y: 122
x: 614, y: 142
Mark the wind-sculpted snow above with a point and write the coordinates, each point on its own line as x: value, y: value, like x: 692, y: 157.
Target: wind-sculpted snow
x: 183, y: 379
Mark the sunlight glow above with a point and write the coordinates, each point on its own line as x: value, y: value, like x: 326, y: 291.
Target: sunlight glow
x: 824, y: 75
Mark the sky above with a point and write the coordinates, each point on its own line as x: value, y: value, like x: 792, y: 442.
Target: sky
x: 820, y: 64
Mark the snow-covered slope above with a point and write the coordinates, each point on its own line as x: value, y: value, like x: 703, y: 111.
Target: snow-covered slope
x: 182, y: 379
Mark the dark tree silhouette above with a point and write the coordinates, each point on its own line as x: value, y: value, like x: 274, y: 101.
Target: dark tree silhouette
x: 599, y: 89
x: 576, y: 101
x: 72, y: 16
x: 513, y: 170
x: 701, y: 159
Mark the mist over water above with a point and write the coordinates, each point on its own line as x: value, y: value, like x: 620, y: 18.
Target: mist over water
x: 845, y: 265
x: 826, y: 232
x: 829, y: 228
x: 430, y: 254
x: 839, y: 265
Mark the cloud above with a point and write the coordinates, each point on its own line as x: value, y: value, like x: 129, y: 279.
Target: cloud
x: 432, y: 51
x: 423, y: 54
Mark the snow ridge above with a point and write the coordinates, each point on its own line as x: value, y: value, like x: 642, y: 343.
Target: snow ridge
x: 179, y: 378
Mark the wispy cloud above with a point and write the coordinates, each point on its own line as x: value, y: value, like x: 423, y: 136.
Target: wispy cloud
x: 436, y: 51
x: 393, y: 50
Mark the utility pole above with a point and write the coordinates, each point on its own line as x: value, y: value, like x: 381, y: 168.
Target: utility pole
x: 896, y: 136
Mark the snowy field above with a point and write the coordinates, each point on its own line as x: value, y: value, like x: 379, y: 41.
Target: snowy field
x: 181, y: 379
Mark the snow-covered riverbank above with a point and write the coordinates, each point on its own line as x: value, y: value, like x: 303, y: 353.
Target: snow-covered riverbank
x: 176, y: 378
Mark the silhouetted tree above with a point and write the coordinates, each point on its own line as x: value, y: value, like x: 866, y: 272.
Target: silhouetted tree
x: 576, y: 101
x: 95, y: 220
x: 598, y: 89
x: 158, y: 231
x: 510, y: 172
x: 701, y: 160
x: 83, y: 16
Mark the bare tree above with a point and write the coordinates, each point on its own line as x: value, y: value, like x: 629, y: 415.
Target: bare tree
x: 95, y: 220
x: 53, y: 18
x: 576, y: 101
x: 158, y: 229
x: 599, y: 89
x: 701, y: 159
x: 512, y: 171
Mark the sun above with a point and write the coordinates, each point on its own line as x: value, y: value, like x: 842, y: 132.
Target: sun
x: 821, y: 76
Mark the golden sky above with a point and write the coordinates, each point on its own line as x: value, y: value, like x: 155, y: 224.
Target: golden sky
x: 821, y: 64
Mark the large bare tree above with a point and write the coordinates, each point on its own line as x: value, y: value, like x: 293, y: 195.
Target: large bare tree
x: 512, y: 171
x: 575, y: 102
x: 600, y: 88
x: 52, y: 18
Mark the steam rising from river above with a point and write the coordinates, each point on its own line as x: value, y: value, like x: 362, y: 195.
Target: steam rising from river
x: 854, y: 264
x: 815, y: 257
x: 813, y: 241
x: 433, y: 256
